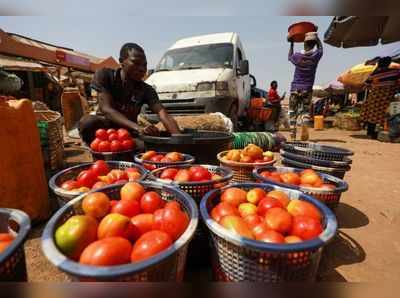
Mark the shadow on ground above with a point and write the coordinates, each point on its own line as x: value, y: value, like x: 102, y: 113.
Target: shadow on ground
x: 350, y: 217
x: 328, y: 140
x: 343, y: 250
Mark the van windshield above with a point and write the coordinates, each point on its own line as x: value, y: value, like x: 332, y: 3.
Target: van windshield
x: 205, y: 56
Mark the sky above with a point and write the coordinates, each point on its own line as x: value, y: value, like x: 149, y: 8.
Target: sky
x: 263, y: 39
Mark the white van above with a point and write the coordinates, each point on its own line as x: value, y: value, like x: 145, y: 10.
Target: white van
x: 204, y: 74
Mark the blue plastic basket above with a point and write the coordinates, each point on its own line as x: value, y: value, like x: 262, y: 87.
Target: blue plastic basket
x: 329, y: 197
x: 12, y: 259
x: 188, y: 159
x: 236, y: 258
x: 63, y: 196
x: 317, y: 151
x: 168, y: 265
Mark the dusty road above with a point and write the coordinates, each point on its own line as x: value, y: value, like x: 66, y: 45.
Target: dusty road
x: 367, y: 248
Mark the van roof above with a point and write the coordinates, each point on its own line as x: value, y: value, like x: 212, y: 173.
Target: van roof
x: 204, y: 39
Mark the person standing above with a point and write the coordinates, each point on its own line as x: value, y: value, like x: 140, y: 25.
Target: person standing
x: 275, y: 103
x: 306, y: 63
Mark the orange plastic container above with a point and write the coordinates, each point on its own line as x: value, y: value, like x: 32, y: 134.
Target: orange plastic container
x: 297, y: 31
x: 318, y: 122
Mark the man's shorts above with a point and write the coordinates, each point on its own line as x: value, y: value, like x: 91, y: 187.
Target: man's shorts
x: 294, y: 112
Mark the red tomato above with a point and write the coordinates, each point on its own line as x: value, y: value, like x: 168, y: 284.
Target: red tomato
x: 143, y: 222
x: 199, y: 174
x: 123, y: 134
x: 174, y: 222
x: 94, y: 145
x: 149, y: 167
x: 6, y: 237
x: 173, y: 204
x: 104, y: 146
x: 290, y: 178
x: 234, y: 196
x: 259, y: 229
x: 223, y: 209
x: 115, y: 146
x: 117, y: 225
x: 267, y: 203
x: 132, y: 191
x: 166, y: 159
x: 183, y: 175
x: 169, y: 173
x: 113, y: 203
x: 150, y: 244
x: 280, y: 196
x: 96, y: 205
x: 279, y: 220
x: 158, y: 218
x: 116, y: 175
x: 69, y: 185
x: 306, y: 227
x: 157, y: 158
x: 151, y: 201
x: 128, y: 144
x: 271, y: 236
x: 148, y: 155
x: 175, y: 156
x: 252, y: 220
x: 100, y: 167
x: 107, y: 252
x: 99, y: 184
x: 86, y: 178
x: 111, y: 130
x: 102, y: 134
x: 265, y: 174
x: 113, y: 137
x: 128, y: 208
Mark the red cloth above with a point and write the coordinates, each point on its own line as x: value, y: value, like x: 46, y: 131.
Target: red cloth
x: 273, y: 96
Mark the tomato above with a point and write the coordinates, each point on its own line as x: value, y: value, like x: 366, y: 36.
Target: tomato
x: 149, y: 167
x: 69, y: 185
x: 174, y: 222
x: 267, y: 203
x: 96, y: 204
x: 123, y: 134
x: 133, y: 174
x: 169, y: 173
x: 223, y: 209
x: 175, y: 156
x: 4, y: 245
x: 246, y: 159
x: 148, y: 155
x: 158, y: 217
x: 107, y: 252
x: 128, y: 208
x: 306, y: 227
x: 102, y: 134
x: 75, y: 234
x: 183, y: 175
x: 252, y: 220
x: 143, y: 222
x: 94, y: 145
x: 328, y: 186
x: 253, y: 151
x: 173, y: 204
x: 116, y: 146
x: 199, y: 174
x: 150, y: 244
x: 279, y: 220
x: 111, y: 130
x: 303, y: 208
x: 157, y: 158
x: 99, y: 184
x: 237, y: 225
x: 255, y: 195
x: 117, y: 225
x: 292, y: 239
x: 115, y: 175
x: 271, y: 236
x: 100, y: 167
x: 104, y: 146
x: 166, y: 160
x: 128, y: 144
x: 290, y: 178
x: 86, y: 178
x: 113, y: 137
x: 259, y: 229
x: 113, y: 203
x: 247, y: 209
x: 132, y: 191
x: 150, y: 202
x: 280, y: 196
x: 265, y: 174
x: 5, y: 240
x: 234, y: 196
x: 309, y: 178
x: 268, y: 158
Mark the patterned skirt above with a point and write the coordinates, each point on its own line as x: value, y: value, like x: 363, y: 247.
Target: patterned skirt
x: 376, y: 104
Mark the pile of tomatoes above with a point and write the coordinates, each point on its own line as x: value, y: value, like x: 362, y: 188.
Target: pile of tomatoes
x: 112, y: 140
x: 100, y: 175
x: 307, y: 178
x: 114, y: 232
x: 5, y: 240
x: 189, y: 174
x: 154, y: 156
x: 267, y: 216
x: 250, y: 154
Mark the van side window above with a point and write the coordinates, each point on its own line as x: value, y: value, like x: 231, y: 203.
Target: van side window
x: 239, y: 58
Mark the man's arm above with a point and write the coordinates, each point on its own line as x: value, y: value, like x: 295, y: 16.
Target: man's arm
x: 319, y: 45
x: 105, y: 106
x: 291, y: 49
x: 167, y: 120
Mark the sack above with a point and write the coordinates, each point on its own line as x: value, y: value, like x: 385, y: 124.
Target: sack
x: 394, y: 126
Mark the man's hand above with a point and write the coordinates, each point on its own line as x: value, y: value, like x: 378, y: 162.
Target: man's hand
x: 151, y: 130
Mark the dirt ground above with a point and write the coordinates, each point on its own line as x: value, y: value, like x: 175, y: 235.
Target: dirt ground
x: 367, y: 247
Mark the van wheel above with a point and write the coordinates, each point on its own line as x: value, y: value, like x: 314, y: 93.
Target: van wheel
x: 233, y: 115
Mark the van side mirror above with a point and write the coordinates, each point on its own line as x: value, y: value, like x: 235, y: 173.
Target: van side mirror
x: 150, y: 72
x: 244, y: 67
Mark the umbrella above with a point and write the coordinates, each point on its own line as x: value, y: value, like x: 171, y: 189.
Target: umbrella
x: 355, y: 31
x: 337, y: 87
x: 319, y: 91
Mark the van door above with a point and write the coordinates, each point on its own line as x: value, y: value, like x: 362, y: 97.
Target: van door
x: 242, y: 83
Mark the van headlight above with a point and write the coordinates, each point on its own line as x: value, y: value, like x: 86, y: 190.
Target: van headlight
x: 205, y: 86
x: 221, y: 85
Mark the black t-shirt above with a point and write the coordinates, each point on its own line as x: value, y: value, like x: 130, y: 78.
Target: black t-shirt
x: 127, y: 99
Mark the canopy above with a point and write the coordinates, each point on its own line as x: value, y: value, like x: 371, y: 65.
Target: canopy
x: 12, y: 63
x: 337, y: 87
x: 355, y: 31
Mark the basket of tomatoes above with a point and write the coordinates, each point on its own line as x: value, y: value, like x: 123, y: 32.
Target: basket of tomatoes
x: 14, y: 228
x: 152, y: 160
x: 266, y: 233
x: 326, y: 188
x: 242, y: 162
x: 72, y: 182
x: 113, y: 144
x: 123, y: 232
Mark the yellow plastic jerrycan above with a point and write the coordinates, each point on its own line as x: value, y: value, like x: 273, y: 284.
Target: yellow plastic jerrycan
x: 318, y: 122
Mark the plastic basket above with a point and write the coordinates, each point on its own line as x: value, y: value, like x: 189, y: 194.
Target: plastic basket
x: 237, y: 258
x: 317, y: 151
x: 242, y: 171
x: 12, y: 259
x: 188, y: 159
x: 337, y: 172
x: 168, y: 265
x: 317, y: 162
x: 127, y: 155
x: 64, y: 196
x: 331, y: 198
